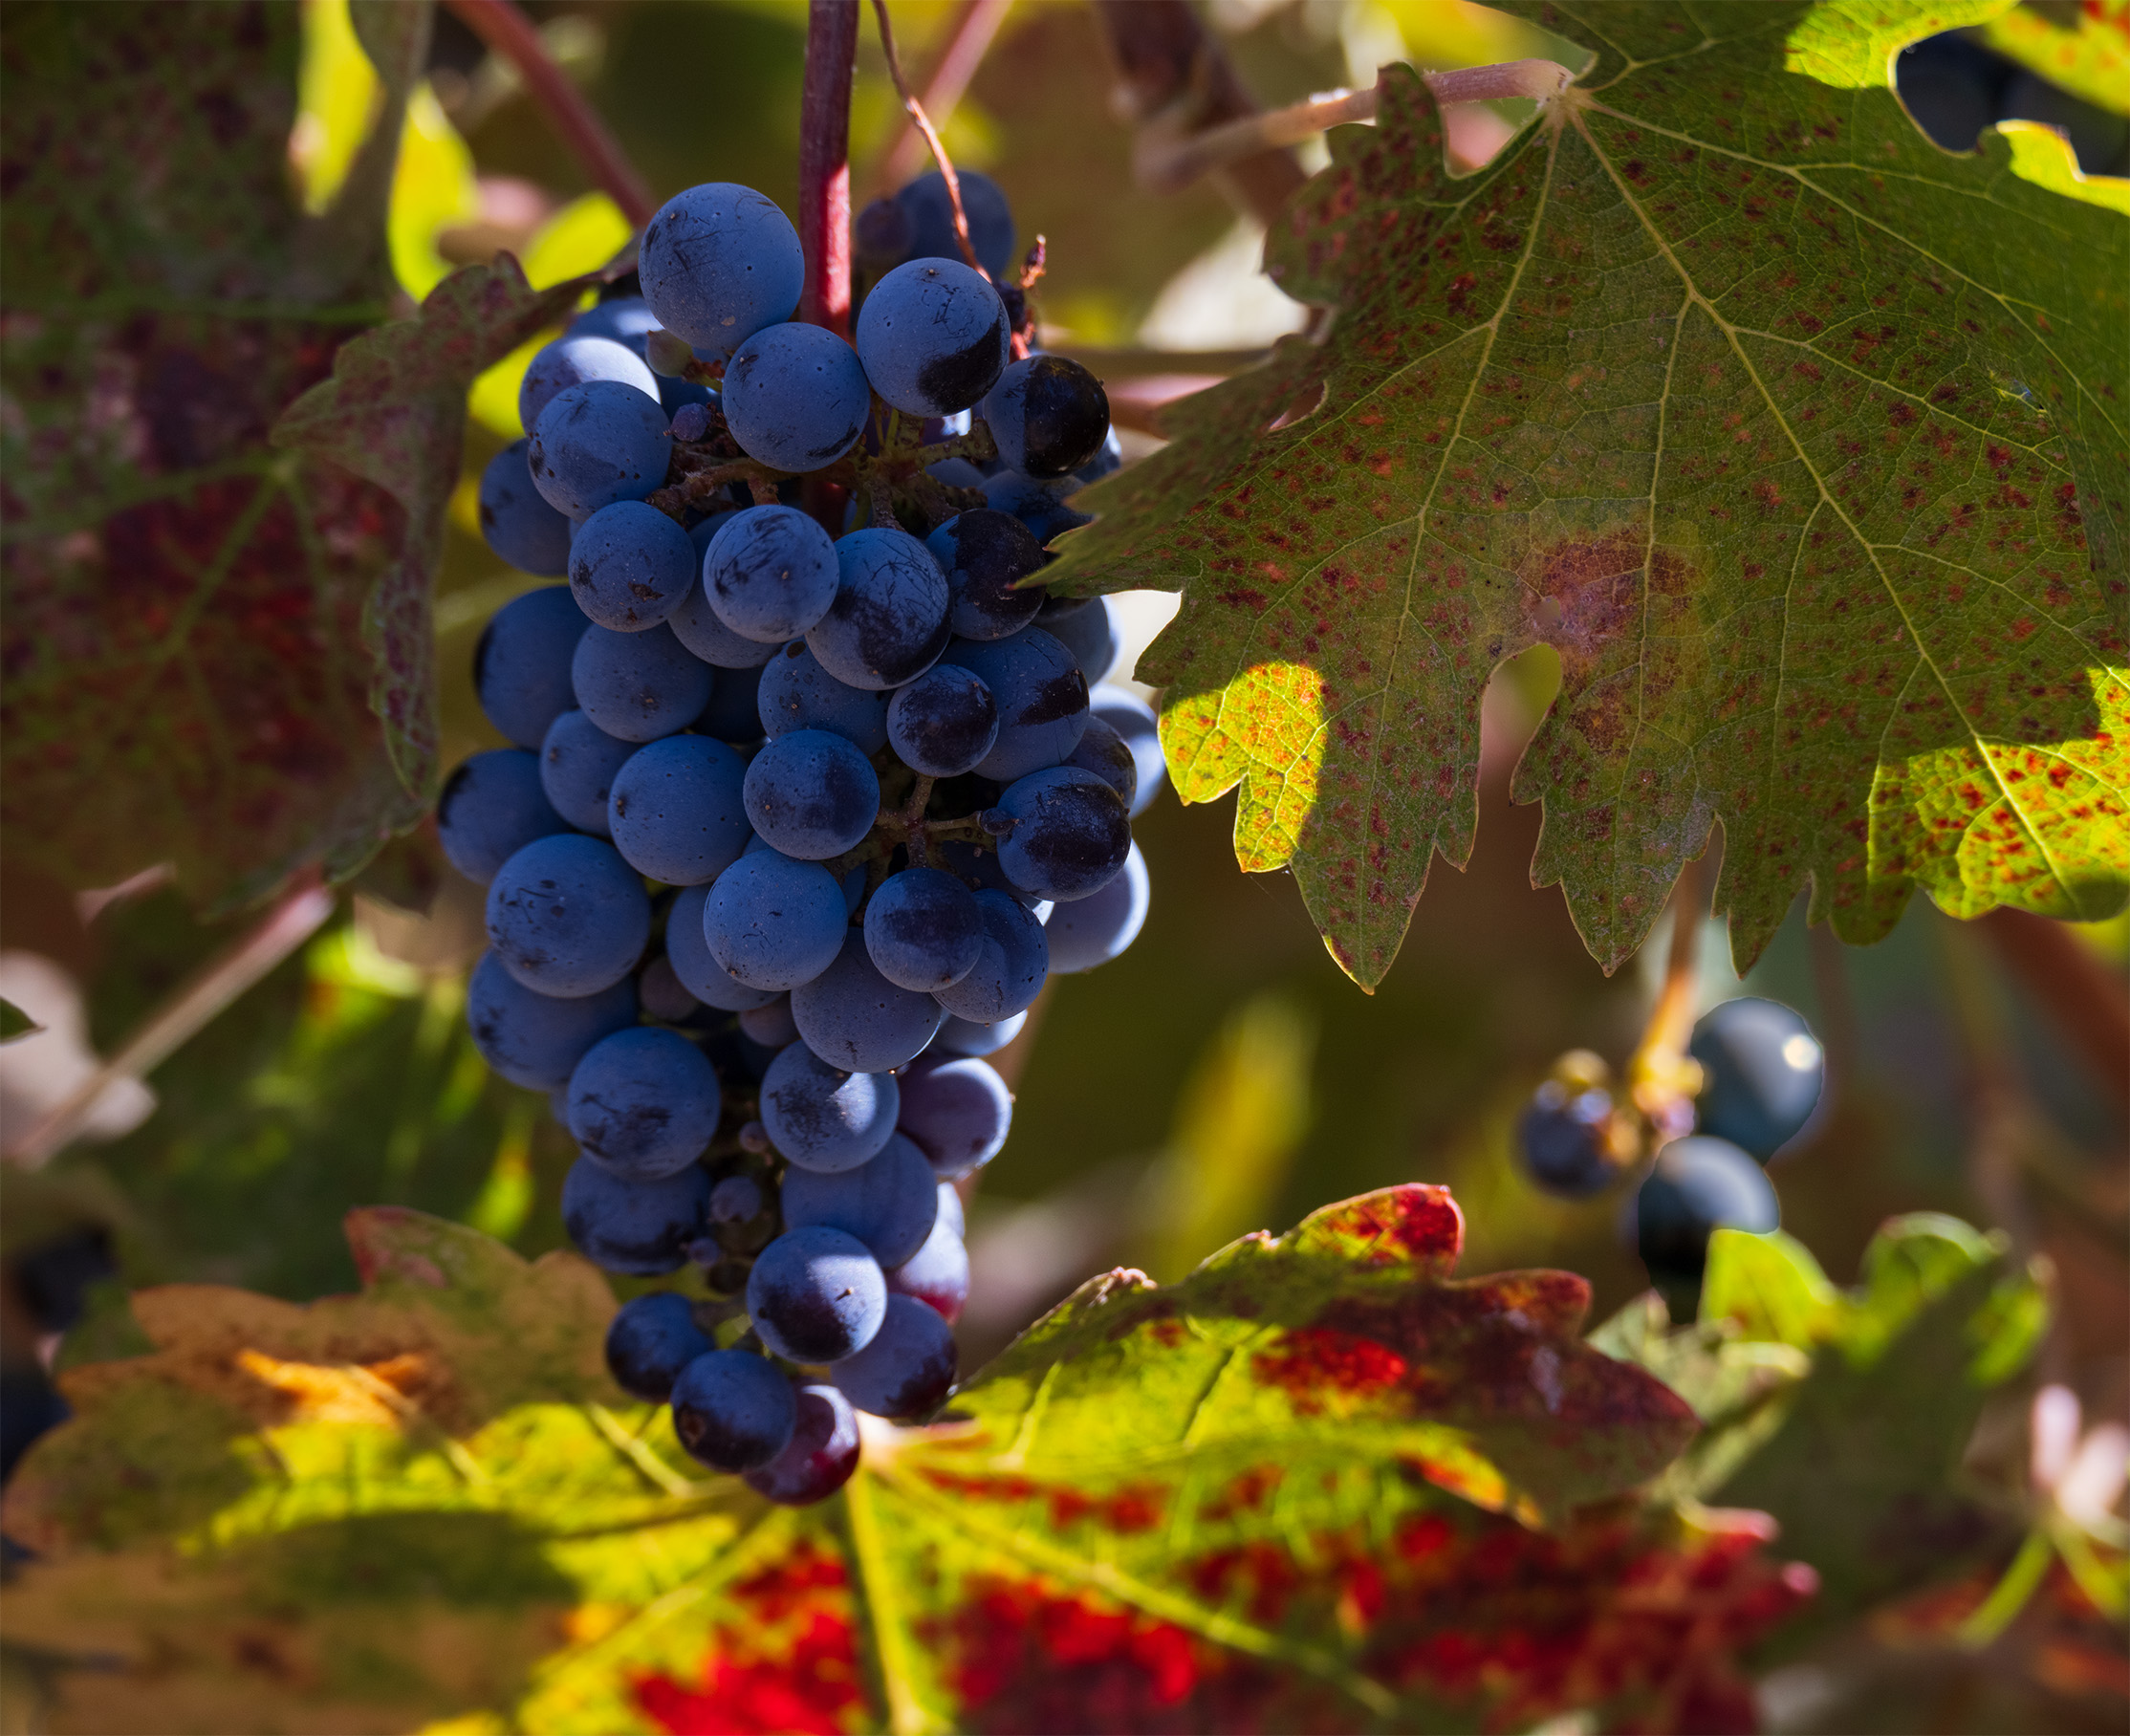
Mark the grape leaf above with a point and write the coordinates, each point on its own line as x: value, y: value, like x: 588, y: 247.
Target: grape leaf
x: 1320, y: 1483
x: 1800, y: 441
x: 2088, y: 53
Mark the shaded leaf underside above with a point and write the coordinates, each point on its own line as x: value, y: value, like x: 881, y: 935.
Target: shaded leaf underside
x: 1800, y: 441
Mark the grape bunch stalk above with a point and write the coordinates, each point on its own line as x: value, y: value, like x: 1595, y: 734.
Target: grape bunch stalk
x: 795, y: 827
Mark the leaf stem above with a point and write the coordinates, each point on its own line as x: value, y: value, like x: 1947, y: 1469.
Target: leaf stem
x: 1660, y: 1077
x: 2011, y: 1593
x: 923, y: 125
x: 905, y: 1716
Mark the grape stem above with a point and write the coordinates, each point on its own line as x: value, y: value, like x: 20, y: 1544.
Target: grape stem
x: 967, y: 40
x: 923, y: 125
x: 824, y: 191
x: 1661, y: 1080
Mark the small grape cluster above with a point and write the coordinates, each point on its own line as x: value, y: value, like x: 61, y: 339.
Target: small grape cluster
x: 1755, y: 1077
x: 795, y: 827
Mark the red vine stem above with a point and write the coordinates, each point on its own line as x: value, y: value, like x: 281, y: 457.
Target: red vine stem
x: 967, y: 40
x: 2084, y: 999
x: 931, y: 137
x: 509, y: 33
x: 825, y: 163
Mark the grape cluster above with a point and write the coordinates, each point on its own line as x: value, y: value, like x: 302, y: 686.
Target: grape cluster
x: 794, y: 827
x: 1761, y: 1074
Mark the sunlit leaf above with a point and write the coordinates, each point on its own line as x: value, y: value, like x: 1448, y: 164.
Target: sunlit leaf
x: 2085, y: 50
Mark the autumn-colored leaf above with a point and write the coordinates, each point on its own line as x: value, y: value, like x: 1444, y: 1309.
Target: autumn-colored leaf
x: 2087, y: 53
x: 1800, y: 441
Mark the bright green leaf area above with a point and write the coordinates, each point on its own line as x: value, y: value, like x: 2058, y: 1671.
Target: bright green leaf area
x: 2088, y: 53
x: 1802, y: 441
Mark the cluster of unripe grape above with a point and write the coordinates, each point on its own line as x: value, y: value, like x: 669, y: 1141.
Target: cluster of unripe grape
x: 1756, y: 1074
x: 796, y: 826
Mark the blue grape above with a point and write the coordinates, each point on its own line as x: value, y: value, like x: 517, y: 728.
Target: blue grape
x: 521, y: 668
x: 1762, y: 1074
x: 733, y: 714
x: 795, y: 397
x: 1070, y: 836
x: 534, y: 1039
x: 1102, y: 751
x: 577, y: 764
x: 772, y: 1026
x: 573, y: 360
x: 638, y: 686
x: 965, y: 1037
x: 906, y: 1368
x: 823, y: 1118
x: 630, y: 565
x: 736, y: 1199
x: 770, y: 572
x: 890, y: 1201
x: 640, y: 1227
x: 696, y: 622
x: 1562, y: 1138
x: 1038, y: 505
x: 644, y: 1104
x: 1106, y: 461
x: 887, y: 623
x: 985, y: 555
x: 817, y: 1296
x: 490, y: 807
x: 567, y: 916
x: 1094, y: 930
x: 956, y: 474
x: 853, y: 1017
x: 597, y: 444
x: 664, y: 997
x: 652, y: 1340
x: 718, y: 263
x: 934, y: 338
x: 1090, y: 636
x: 517, y: 523
x: 822, y: 1455
x: 929, y: 211
x: 629, y: 321
x: 1134, y: 721
x: 1049, y: 416
x: 693, y: 963
x: 957, y: 1112
x: 1041, y: 699
x: 1697, y: 1185
x: 774, y: 921
x: 675, y: 810
x: 937, y: 1274
x: 1009, y: 971
x: 923, y: 931
x: 797, y: 693
x: 944, y: 723
x: 733, y: 1410
x: 812, y: 794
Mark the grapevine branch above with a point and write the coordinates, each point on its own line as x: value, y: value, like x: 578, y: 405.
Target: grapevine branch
x: 825, y: 163
x: 968, y: 38
x: 509, y: 33
x: 923, y: 125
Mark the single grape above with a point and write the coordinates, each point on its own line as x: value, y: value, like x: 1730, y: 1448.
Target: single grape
x: 957, y: 473
x: 1049, y: 416
x: 490, y: 807
x: 1090, y: 637
x: 521, y: 668
x: 644, y: 1104
x: 929, y: 212
x: 1009, y: 971
x: 689, y: 954
x: 795, y: 397
x: 1762, y: 1074
x: 888, y: 624
x: 1134, y: 721
x: 1697, y: 1185
x: 1038, y: 505
x: 772, y: 1026
x: 770, y: 572
x: 516, y: 524
x: 736, y: 1199
x: 823, y: 1118
x: 733, y: 1410
x: 797, y: 693
x: 817, y: 1296
x: 630, y: 565
x: 733, y: 714
x: 880, y: 236
x: 933, y: 336
x: 578, y: 764
x: 638, y: 686
x: 774, y: 921
x: 889, y: 1202
x: 675, y: 810
x: 696, y: 623
x: 923, y: 931
x: 1103, y: 751
x: 664, y: 996
x: 1041, y: 698
x: 984, y: 555
x: 944, y: 723
x: 718, y: 263
x: 965, y: 1037
x: 1094, y: 930
x: 957, y: 1112
x: 627, y: 320
x: 906, y: 1368
x: 937, y: 1274
x: 652, y: 1340
x: 573, y: 360
x: 1106, y: 461
x: 951, y: 1212
x: 1070, y: 836
x: 822, y: 1455
x: 1563, y: 1139
x: 640, y: 1227
x: 597, y: 444
x: 536, y: 1040
x: 567, y: 916
x: 812, y: 794
x: 853, y: 1017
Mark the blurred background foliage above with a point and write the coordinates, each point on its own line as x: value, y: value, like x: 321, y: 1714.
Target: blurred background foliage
x: 1222, y: 1076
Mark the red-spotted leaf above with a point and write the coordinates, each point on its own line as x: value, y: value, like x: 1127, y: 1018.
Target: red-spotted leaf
x: 1802, y: 441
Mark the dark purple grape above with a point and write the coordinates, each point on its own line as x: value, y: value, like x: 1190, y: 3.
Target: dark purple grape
x: 906, y: 1368
x: 651, y: 1340
x: 733, y: 1410
x: 985, y: 554
x: 1049, y: 416
x: 822, y: 1455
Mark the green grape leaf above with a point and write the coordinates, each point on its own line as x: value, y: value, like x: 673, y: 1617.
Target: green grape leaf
x: 1320, y: 1482
x: 15, y: 1023
x: 1801, y: 441
x: 2086, y: 53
